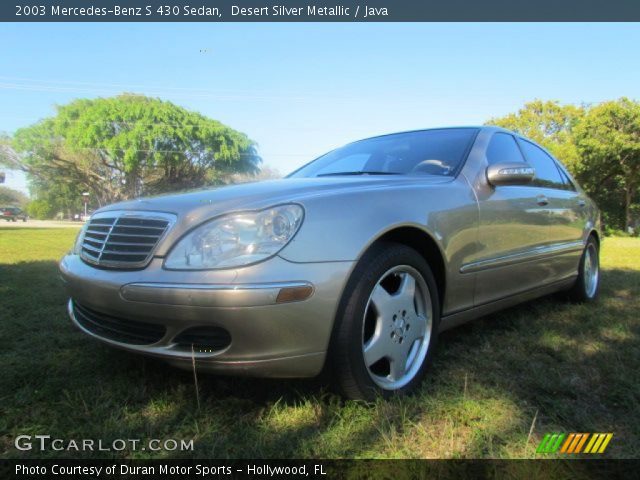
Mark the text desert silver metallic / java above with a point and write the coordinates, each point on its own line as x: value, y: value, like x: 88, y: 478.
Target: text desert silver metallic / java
x: 358, y: 258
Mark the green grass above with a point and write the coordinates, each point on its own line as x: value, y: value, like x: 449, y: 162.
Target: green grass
x: 574, y: 367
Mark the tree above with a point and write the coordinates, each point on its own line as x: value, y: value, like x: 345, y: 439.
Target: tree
x: 265, y: 173
x: 5, y: 143
x: 548, y: 123
x: 11, y: 197
x: 608, y: 140
x: 122, y: 147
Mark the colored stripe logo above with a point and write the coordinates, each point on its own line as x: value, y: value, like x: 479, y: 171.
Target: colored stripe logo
x: 573, y: 443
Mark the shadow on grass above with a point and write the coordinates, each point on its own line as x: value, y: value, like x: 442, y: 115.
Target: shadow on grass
x: 575, y: 365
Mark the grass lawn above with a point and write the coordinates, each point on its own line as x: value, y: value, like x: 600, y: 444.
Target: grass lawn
x: 576, y: 368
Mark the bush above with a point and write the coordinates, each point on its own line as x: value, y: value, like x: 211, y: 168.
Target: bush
x: 40, y: 209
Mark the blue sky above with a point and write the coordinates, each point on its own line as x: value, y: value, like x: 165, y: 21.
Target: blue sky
x: 302, y: 89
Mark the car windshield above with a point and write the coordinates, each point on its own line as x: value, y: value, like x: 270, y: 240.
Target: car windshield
x: 426, y: 152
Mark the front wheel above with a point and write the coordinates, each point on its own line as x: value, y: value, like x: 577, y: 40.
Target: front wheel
x: 587, y: 286
x: 387, y: 324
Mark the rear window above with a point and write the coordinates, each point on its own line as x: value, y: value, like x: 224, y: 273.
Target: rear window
x: 427, y: 152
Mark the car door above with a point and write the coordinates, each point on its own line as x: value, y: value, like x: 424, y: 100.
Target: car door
x: 513, y: 229
x: 566, y: 211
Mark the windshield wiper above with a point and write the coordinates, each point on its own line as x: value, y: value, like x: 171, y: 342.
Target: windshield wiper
x: 332, y: 174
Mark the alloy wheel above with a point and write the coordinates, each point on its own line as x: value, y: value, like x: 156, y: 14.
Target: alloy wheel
x: 397, y: 327
x: 591, y: 270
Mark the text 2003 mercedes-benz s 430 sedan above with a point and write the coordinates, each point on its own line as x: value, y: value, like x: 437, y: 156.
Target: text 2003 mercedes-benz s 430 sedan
x: 358, y: 259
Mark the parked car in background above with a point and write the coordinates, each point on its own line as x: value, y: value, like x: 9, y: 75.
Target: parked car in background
x: 359, y: 258
x: 13, y: 214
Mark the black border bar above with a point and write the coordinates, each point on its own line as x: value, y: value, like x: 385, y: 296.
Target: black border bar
x: 215, y: 11
x: 193, y: 469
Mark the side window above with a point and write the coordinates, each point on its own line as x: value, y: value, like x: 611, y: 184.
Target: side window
x: 568, y: 184
x: 503, y: 148
x: 547, y: 174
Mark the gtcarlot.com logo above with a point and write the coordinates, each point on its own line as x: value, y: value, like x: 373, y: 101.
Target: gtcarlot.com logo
x: 573, y: 443
x: 46, y: 442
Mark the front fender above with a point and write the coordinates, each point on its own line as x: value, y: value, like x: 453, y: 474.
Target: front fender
x: 341, y: 227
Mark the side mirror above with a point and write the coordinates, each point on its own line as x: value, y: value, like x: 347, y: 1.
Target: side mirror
x: 510, y: 174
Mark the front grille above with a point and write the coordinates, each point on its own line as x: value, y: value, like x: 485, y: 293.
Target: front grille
x: 123, y: 239
x: 118, y: 329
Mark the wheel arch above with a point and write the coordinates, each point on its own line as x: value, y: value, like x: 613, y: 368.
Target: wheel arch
x: 425, y: 245
x: 409, y: 235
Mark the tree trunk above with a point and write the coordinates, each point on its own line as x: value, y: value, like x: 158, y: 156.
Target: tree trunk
x: 627, y: 206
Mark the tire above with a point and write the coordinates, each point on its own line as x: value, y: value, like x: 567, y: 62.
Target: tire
x: 587, y: 286
x: 385, y: 332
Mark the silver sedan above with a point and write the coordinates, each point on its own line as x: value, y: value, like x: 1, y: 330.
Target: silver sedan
x: 356, y: 260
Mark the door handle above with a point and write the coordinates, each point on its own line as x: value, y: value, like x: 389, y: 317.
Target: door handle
x: 542, y: 200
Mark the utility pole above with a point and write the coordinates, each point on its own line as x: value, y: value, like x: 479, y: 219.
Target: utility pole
x: 85, y: 199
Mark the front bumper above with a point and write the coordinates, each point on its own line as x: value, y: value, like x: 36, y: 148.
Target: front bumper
x: 267, y: 338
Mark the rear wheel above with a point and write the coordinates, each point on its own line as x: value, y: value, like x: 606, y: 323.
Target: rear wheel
x: 587, y: 286
x: 387, y: 324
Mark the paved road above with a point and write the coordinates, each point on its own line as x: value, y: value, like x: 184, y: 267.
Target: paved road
x: 40, y: 224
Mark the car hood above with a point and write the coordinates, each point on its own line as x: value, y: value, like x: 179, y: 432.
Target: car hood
x: 196, y: 207
x: 249, y: 196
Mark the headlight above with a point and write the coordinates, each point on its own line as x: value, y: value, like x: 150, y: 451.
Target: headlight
x: 237, y: 239
x: 77, y: 246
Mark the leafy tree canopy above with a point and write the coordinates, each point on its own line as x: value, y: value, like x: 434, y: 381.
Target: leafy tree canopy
x: 608, y: 140
x: 11, y: 197
x: 548, y: 123
x: 122, y: 147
